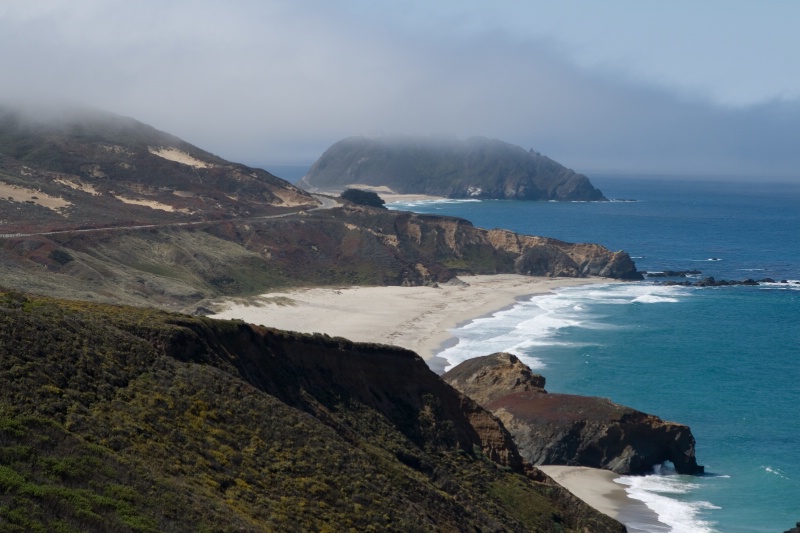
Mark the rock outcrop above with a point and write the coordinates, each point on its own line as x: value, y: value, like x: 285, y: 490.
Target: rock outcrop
x: 572, y: 430
x: 795, y: 529
x: 711, y: 282
x: 485, y: 379
x: 474, y: 168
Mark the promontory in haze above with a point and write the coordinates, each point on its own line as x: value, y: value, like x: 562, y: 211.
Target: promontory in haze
x: 474, y: 168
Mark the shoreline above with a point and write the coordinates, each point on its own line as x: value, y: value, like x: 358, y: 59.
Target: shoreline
x: 420, y: 319
x: 597, y: 488
x: 394, y: 198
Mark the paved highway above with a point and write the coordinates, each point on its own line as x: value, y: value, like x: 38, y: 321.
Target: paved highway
x: 326, y: 202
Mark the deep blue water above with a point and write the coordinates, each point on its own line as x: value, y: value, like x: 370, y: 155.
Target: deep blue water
x: 722, y: 360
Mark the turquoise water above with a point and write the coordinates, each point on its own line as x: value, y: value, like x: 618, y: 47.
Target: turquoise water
x: 722, y: 360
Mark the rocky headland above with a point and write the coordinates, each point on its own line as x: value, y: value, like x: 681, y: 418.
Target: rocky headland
x: 563, y: 429
x: 473, y: 168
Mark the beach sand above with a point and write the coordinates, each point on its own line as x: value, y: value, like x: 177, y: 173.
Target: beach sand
x: 391, y: 198
x: 597, y: 488
x: 421, y: 319
x: 417, y: 318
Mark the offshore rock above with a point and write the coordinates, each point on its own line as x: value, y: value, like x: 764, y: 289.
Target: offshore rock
x: 711, y: 282
x: 573, y: 430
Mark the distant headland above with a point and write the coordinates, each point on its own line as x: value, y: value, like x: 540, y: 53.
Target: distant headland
x: 477, y: 167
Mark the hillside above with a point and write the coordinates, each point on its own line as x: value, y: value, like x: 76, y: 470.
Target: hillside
x: 177, y: 267
x: 98, y: 207
x: 124, y: 419
x: 475, y: 168
x: 78, y: 168
x: 116, y: 418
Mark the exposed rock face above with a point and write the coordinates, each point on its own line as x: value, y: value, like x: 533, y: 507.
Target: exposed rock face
x: 485, y: 379
x: 475, y: 168
x: 573, y: 430
x: 482, y: 251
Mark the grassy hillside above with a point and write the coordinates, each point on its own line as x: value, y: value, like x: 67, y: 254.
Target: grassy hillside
x: 125, y: 419
x: 81, y: 168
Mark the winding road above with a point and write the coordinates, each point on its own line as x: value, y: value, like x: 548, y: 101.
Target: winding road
x: 326, y: 202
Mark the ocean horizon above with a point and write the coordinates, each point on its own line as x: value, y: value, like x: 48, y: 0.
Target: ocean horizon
x: 722, y: 360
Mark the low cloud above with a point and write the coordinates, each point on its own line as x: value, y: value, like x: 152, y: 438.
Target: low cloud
x: 277, y: 82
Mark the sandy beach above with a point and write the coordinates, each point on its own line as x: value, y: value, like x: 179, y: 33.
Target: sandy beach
x: 417, y: 318
x: 597, y: 488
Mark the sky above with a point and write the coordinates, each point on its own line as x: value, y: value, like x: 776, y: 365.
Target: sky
x: 682, y: 87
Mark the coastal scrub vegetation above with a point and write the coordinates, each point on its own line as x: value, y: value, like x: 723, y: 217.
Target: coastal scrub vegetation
x: 362, y: 197
x: 115, y: 418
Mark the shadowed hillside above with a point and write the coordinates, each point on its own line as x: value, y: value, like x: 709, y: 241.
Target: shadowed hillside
x: 123, y: 419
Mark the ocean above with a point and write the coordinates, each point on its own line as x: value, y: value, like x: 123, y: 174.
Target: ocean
x: 723, y: 360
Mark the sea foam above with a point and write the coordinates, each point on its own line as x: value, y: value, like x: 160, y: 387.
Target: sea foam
x: 663, y: 492
x: 411, y: 204
x: 540, y: 320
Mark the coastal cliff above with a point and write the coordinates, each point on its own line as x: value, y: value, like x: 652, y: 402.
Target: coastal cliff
x: 124, y: 419
x: 474, y: 168
x: 177, y: 267
x: 572, y: 430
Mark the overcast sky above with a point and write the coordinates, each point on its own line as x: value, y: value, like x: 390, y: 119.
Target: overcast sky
x: 693, y: 87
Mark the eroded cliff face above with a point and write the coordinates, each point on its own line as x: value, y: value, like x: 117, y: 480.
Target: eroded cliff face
x: 464, y: 248
x: 319, y: 373
x: 572, y: 430
x: 485, y: 379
